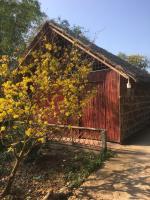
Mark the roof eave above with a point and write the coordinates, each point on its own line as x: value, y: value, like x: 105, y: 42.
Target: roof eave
x: 82, y: 46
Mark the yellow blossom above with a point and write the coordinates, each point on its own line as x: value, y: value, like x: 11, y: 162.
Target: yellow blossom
x: 32, y: 88
x: 42, y: 140
x: 3, y: 128
x: 28, y: 132
x: 45, y: 122
x: 48, y: 46
x: 16, y: 116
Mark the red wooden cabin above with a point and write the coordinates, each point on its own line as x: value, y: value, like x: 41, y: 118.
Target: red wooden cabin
x: 122, y: 102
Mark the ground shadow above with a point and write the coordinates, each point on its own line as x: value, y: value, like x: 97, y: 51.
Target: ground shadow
x: 141, y: 138
x: 132, y: 180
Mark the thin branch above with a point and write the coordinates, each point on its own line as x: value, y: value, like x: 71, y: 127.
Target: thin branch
x: 15, y: 154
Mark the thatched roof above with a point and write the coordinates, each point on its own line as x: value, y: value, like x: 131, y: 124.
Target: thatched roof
x: 110, y: 60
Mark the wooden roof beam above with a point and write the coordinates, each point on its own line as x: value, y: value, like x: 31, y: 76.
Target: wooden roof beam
x: 89, y: 52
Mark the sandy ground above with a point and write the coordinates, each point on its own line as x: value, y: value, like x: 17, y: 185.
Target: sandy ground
x: 124, y: 177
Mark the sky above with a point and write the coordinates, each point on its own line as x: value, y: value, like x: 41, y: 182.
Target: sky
x: 115, y: 25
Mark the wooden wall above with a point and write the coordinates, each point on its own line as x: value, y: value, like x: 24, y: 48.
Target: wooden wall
x: 102, y: 110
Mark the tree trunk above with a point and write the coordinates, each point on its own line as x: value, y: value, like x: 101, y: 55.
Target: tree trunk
x: 7, y: 189
x: 11, y: 178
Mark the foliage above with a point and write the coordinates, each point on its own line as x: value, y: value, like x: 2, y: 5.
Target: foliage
x: 56, y: 167
x: 51, y: 88
x: 137, y: 60
x: 17, y: 20
x: 5, y: 157
x: 77, y: 31
x: 82, y: 165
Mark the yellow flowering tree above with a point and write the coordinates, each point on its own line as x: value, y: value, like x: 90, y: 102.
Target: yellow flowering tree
x: 49, y: 86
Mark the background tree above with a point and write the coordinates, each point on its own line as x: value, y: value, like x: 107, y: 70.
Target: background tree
x: 18, y: 18
x: 137, y: 60
x: 30, y: 93
x: 77, y: 31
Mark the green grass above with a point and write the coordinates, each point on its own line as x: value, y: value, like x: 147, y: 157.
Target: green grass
x: 82, y: 165
x: 54, y: 165
x: 5, y: 157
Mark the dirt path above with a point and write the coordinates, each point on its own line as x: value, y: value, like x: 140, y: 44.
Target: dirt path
x: 124, y: 177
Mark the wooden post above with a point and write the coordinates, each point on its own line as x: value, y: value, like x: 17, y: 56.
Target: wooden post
x: 104, y: 141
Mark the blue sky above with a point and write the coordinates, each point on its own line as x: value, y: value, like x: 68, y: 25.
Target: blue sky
x: 116, y: 25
